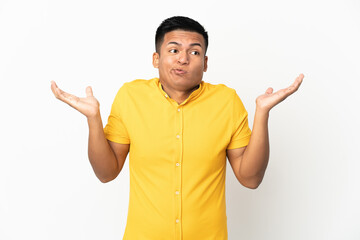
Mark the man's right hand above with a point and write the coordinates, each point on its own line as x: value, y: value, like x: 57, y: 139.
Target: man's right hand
x: 89, y: 106
x: 107, y: 158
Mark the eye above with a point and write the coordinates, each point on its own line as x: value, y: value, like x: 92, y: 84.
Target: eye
x: 173, y: 51
x: 194, y: 53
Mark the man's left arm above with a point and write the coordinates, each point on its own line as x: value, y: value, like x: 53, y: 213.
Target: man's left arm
x: 249, y: 163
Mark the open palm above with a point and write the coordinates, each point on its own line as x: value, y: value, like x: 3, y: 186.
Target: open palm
x: 270, y: 99
x: 88, y: 106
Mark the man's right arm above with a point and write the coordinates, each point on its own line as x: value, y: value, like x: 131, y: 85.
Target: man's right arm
x: 107, y: 158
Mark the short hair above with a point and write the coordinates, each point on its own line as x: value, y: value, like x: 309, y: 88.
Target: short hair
x: 179, y: 23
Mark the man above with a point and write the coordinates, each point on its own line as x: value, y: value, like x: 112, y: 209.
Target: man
x: 179, y: 131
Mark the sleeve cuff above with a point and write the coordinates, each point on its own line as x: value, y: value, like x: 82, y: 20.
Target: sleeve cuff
x: 117, y: 139
x: 239, y: 143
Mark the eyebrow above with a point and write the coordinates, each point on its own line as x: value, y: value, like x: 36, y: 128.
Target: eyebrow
x: 192, y: 44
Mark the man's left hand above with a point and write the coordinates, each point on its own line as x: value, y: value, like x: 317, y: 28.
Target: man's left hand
x: 270, y: 99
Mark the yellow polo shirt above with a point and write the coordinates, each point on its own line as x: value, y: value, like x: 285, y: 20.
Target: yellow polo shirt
x: 177, y: 158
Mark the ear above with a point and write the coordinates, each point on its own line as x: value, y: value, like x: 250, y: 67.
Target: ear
x: 156, y: 60
x: 205, y: 63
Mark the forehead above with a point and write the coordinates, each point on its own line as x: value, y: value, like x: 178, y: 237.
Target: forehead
x: 183, y: 37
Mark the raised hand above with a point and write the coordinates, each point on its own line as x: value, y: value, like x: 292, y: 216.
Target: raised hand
x: 269, y: 99
x: 88, y: 106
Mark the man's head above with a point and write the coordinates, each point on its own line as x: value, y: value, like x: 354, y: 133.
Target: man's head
x: 181, y: 44
x: 179, y: 23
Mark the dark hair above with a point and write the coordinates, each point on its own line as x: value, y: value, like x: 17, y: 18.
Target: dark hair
x: 179, y: 23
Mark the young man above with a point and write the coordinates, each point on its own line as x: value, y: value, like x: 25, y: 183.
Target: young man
x: 179, y: 131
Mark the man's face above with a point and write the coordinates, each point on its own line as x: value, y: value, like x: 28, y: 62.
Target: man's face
x: 182, y: 60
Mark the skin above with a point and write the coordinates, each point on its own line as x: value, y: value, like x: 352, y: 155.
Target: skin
x: 107, y: 158
x: 181, y: 63
x: 249, y: 163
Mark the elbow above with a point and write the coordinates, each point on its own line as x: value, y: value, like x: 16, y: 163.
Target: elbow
x: 106, y: 179
x: 107, y: 176
x: 251, y: 186
x: 252, y: 183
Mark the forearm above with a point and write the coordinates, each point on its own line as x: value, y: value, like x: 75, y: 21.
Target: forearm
x: 101, y: 156
x: 256, y: 155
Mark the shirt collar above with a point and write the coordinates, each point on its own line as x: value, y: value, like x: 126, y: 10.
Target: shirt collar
x: 195, y: 94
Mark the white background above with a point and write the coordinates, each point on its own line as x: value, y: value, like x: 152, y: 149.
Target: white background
x: 311, y: 189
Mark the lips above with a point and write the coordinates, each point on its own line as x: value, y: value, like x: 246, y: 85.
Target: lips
x: 179, y: 71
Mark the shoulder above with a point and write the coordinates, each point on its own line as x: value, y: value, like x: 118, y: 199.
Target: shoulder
x: 137, y: 86
x: 220, y: 94
x: 219, y: 90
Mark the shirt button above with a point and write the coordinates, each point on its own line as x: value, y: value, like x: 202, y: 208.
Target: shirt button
x: 178, y: 109
x: 177, y: 192
x: 177, y: 164
x: 177, y: 136
x: 166, y: 95
x: 177, y: 220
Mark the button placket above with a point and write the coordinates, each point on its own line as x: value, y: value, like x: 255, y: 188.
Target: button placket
x: 178, y: 170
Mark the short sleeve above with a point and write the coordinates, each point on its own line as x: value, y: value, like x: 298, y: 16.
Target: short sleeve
x: 115, y: 129
x: 241, y: 132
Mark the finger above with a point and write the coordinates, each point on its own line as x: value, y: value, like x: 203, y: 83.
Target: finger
x: 64, y: 96
x: 53, y: 86
x: 56, y: 90
x: 295, y: 86
x: 269, y: 90
x: 298, y: 80
x: 89, y: 92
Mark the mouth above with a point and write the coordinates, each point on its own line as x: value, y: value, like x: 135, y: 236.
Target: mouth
x: 179, y: 71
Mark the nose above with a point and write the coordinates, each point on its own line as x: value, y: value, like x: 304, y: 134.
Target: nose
x: 183, y: 58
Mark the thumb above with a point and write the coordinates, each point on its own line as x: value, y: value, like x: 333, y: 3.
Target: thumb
x: 269, y: 90
x: 89, y: 92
